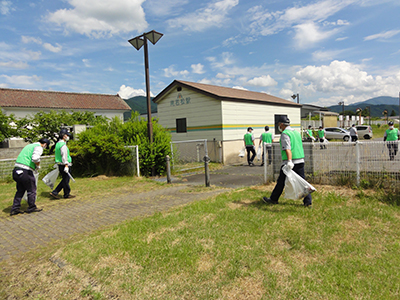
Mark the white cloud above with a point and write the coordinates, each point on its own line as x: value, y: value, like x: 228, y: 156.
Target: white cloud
x: 29, y: 39
x: 262, y: 81
x: 126, y: 92
x: 52, y: 48
x: 101, y: 18
x: 341, y: 79
x: 308, y: 34
x: 328, y: 55
x: 165, y: 7
x: 383, y: 35
x: 226, y: 60
x: 171, y: 72
x: 213, y: 15
x: 14, y: 65
x: 198, y: 69
x: 240, y: 88
x: 6, y: 7
x: 86, y: 62
x: 21, y: 80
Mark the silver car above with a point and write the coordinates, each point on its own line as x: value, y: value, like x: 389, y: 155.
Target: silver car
x: 364, y: 132
x: 337, y: 133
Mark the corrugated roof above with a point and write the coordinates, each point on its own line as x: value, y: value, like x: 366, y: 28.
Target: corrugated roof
x: 60, y: 100
x: 225, y: 93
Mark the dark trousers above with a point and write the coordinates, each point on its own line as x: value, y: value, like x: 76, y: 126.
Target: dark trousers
x: 25, y: 183
x: 269, y: 150
x: 250, y: 149
x: 354, y: 138
x: 393, y: 148
x: 64, y: 183
x: 280, y: 184
x: 322, y: 140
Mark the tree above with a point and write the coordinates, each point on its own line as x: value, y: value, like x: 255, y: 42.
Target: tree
x: 393, y: 113
x: 6, y: 126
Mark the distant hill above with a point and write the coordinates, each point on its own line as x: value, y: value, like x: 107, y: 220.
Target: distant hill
x: 377, y: 105
x: 139, y: 103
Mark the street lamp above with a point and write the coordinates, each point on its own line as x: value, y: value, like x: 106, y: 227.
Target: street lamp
x: 137, y: 42
x: 342, y: 104
x: 359, y: 110
x: 294, y: 97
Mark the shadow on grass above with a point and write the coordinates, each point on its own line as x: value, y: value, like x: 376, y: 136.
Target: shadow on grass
x: 260, y: 204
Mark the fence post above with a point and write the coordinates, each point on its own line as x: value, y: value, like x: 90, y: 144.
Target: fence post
x: 358, y: 162
x: 207, y: 171
x: 168, y: 169
x: 265, y: 163
x: 137, y: 161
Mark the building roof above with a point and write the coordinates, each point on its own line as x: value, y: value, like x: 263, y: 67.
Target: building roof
x: 225, y: 93
x: 60, y: 100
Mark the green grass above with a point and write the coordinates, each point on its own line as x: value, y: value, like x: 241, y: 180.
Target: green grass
x: 234, y: 246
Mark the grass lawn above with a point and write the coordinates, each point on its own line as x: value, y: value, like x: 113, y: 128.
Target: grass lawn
x: 231, y: 246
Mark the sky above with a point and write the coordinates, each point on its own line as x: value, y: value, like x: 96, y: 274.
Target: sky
x: 326, y: 51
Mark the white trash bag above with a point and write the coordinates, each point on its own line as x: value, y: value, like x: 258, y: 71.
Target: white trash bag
x: 259, y: 152
x: 51, y: 178
x: 25, y: 196
x: 242, y: 152
x: 295, y: 186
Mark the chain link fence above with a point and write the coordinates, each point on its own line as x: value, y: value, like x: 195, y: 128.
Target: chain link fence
x: 188, y: 155
x: 7, y: 165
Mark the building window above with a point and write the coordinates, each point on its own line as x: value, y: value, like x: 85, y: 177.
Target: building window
x: 181, y: 125
x: 277, y: 117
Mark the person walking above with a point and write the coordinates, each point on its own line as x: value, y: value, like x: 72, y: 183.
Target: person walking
x: 292, y: 156
x: 309, y: 134
x: 64, y: 161
x: 27, y: 163
x: 249, y: 144
x: 353, y: 133
x: 322, y: 137
x: 267, y: 137
x: 392, y: 136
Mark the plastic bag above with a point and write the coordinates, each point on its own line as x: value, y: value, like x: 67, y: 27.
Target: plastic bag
x: 242, y: 152
x: 51, y: 178
x: 295, y: 186
x: 25, y: 196
x: 259, y: 152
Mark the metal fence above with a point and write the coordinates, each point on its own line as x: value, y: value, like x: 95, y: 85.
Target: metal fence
x: 188, y: 155
x: 7, y: 165
x: 365, y: 164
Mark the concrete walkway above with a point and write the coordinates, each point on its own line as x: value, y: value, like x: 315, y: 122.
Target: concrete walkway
x: 22, y: 233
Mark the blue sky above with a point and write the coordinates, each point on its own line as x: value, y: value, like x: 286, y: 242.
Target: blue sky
x: 326, y: 51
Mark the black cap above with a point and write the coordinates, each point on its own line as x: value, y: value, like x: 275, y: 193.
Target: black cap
x: 45, y: 141
x: 390, y: 123
x: 64, y: 132
x: 248, y: 129
x: 309, y: 126
x: 284, y: 120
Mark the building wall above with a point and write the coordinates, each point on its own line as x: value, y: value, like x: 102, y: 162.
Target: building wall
x: 23, y: 112
x: 202, y: 113
x: 237, y: 116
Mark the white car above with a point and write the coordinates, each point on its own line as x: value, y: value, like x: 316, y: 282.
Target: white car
x: 337, y: 133
x: 364, y: 132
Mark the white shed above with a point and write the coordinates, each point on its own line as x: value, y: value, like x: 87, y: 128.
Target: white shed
x: 219, y: 114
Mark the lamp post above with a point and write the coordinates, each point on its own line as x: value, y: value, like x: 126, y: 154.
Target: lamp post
x: 342, y: 104
x: 359, y: 110
x: 137, y: 42
x: 294, y: 96
x: 369, y: 115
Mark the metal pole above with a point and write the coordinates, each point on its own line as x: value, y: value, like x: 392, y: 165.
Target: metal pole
x: 265, y: 163
x: 168, y: 169
x: 207, y: 171
x: 358, y: 162
x: 146, y: 67
x: 137, y: 161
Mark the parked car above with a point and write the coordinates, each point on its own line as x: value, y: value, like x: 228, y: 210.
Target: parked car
x: 337, y: 133
x: 364, y: 132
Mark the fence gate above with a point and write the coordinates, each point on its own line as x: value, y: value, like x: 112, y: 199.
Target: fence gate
x: 188, y: 155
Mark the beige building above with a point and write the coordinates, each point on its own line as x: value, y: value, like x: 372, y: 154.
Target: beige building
x: 220, y: 115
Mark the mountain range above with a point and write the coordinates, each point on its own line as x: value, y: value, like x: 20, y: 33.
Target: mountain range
x: 377, y: 106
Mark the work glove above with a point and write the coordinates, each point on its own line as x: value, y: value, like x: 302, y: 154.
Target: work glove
x: 66, y: 169
x: 290, y: 164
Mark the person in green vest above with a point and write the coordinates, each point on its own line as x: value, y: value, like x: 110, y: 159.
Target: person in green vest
x: 292, y: 156
x: 267, y: 137
x: 249, y: 144
x: 27, y: 163
x: 322, y: 137
x: 64, y: 161
x: 309, y: 133
x: 392, y: 136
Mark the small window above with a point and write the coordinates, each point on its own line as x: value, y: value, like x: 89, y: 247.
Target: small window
x: 277, y: 117
x: 181, y: 125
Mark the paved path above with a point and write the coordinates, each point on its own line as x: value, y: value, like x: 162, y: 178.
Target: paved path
x: 25, y: 232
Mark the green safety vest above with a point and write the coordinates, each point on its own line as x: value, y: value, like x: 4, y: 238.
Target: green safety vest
x: 57, y: 153
x: 391, y: 134
x: 310, y: 132
x: 267, y: 137
x: 248, y: 139
x: 295, y: 143
x: 25, y: 156
x: 321, y: 133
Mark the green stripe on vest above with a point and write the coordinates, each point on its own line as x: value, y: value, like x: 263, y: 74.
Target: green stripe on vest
x: 25, y: 156
x: 295, y: 143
